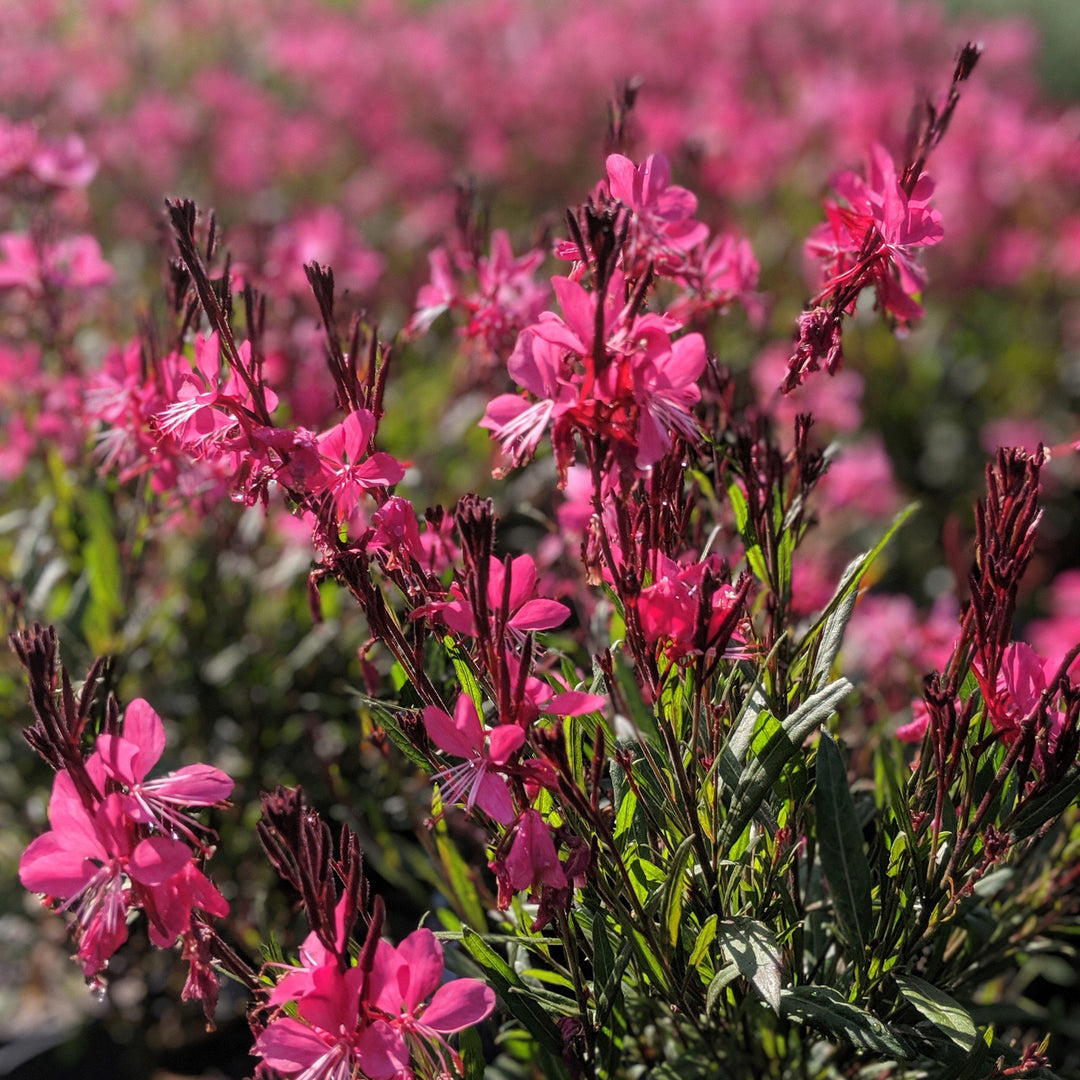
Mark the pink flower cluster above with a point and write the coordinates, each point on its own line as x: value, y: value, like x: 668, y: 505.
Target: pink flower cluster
x: 602, y: 369
x: 370, y: 1018
x: 873, y: 239
x: 121, y: 841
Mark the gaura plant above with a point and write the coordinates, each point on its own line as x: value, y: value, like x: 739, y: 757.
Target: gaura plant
x: 688, y: 872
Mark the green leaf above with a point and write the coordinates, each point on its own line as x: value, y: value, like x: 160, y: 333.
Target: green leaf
x: 754, y: 556
x: 721, y: 981
x: 608, y: 971
x: 387, y: 715
x: 503, y: 979
x: 464, y: 672
x: 832, y: 1014
x: 1030, y: 817
x: 755, y: 952
x: 704, y: 940
x: 832, y: 635
x: 761, y: 772
x: 471, y: 1048
x: 463, y: 892
x: 948, y: 1015
x: 843, y: 858
x: 853, y: 575
x: 685, y: 1067
x: 101, y: 554
x: 675, y: 889
x: 640, y: 713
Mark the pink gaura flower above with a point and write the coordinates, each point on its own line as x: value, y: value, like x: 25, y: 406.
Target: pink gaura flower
x: 526, y: 610
x: 532, y: 861
x: 332, y: 1037
x: 663, y: 211
x: 1021, y: 683
x: 537, y: 365
x: 665, y: 379
x: 477, y: 780
x: 205, y: 410
x: 903, y: 224
x: 669, y: 608
x: 128, y: 757
x: 397, y: 533
x: 348, y: 469
x: 94, y: 864
x: 405, y: 976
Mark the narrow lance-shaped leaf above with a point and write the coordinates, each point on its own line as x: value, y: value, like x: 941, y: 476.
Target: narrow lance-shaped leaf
x: 753, y: 949
x: 843, y: 858
x: 1030, y: 817
x: 503, y: 979
x: 831, y: 1013
x: 852, y: 575
x: 761, y: 773
x: 611, y: 1021
x: 941, y: 1010
x: 675, y: 889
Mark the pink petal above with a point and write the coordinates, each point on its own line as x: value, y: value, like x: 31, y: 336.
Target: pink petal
x: 143, y: 727
x: 70, y: 821
x: 654, y: 175
x: 200, y: 892
x: 422, y: 957
x: 379, y: 470
x: 356, y: 430
x: 578, y: 307
x: 575, y: 703
x: 458, y: 1005
x: 47, y: 866
x: 387, y: 978
x: 540, y: 615
x: 621, y: 172
x: 687, y: 361
x: 335, y: 1001
x: 290, y: 1046
x: 119, y: 755
x: 382, y: 1053
x: 207, y: 362
x: 193, y: 785
x: 157, y: 859
x: 493, y: 797
x: 506, y: 739
x: 463, y: 736
x: 522, y: 583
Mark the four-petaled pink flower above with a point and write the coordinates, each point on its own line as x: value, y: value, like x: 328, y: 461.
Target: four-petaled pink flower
x: 128, y: 757
x: 486, y: 751
x: 348, y: 469
x: 902, y: 223
x: 669, y: 608
x: 526, y: 610
x: 405, y: 976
